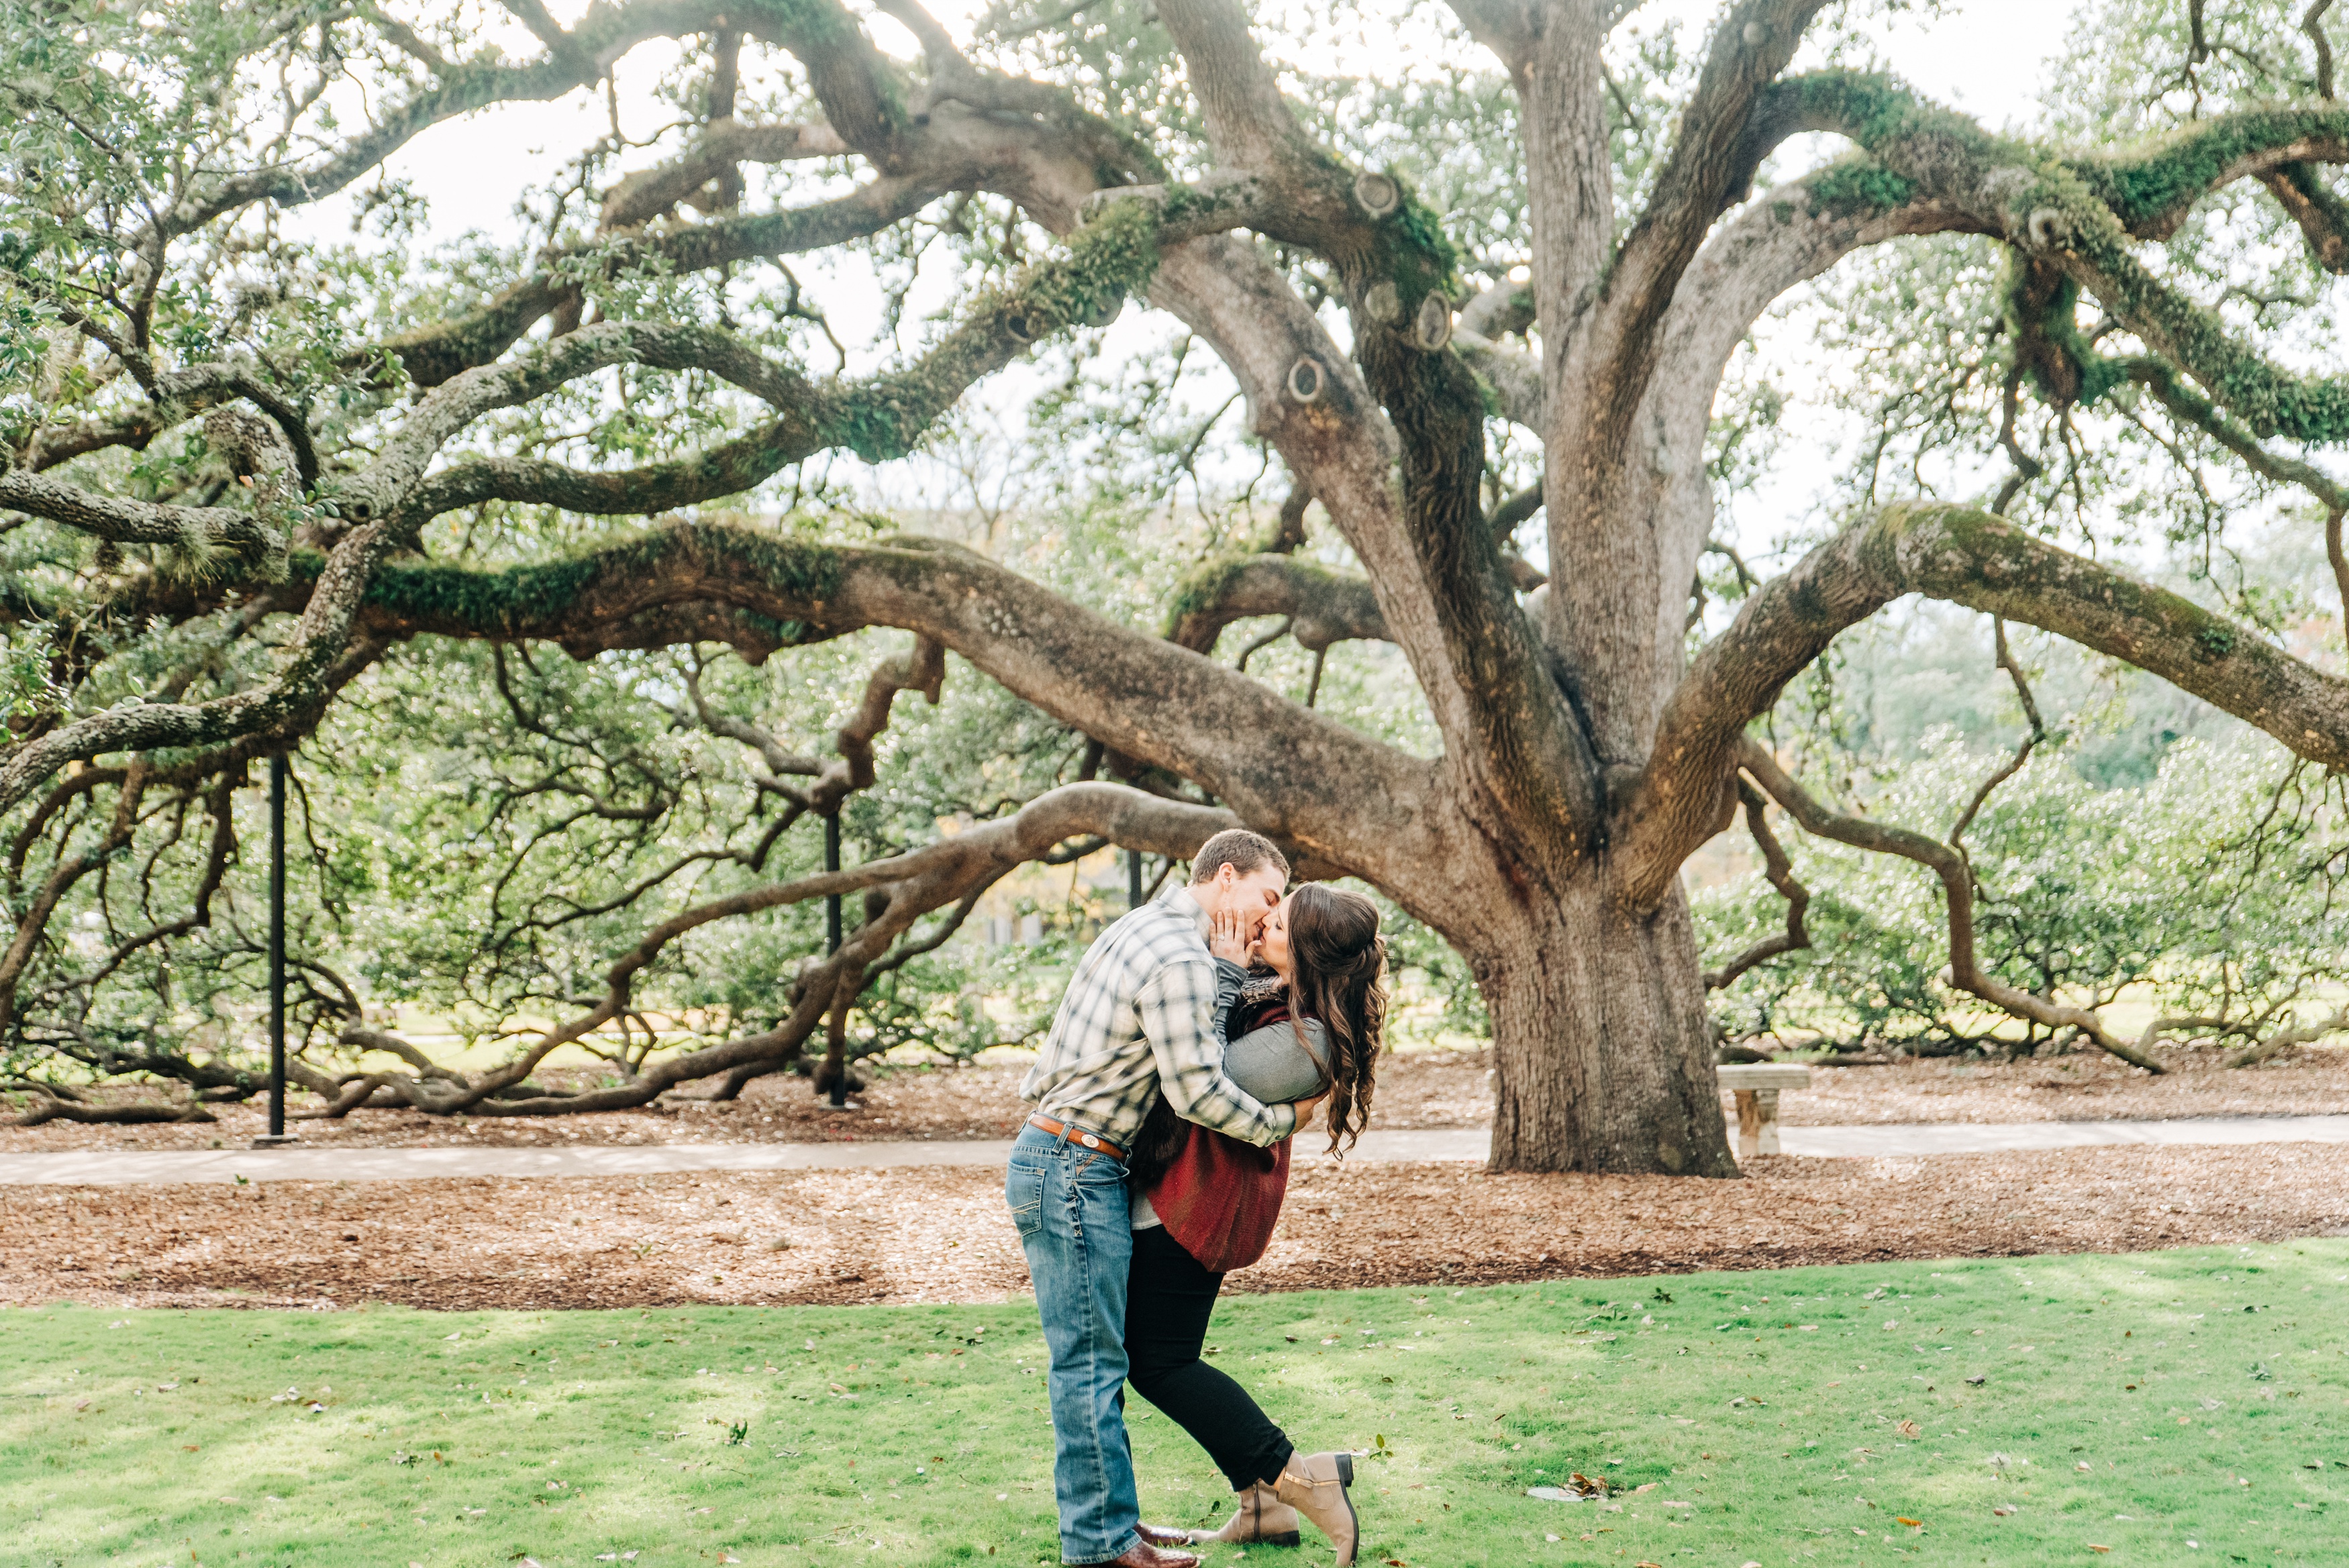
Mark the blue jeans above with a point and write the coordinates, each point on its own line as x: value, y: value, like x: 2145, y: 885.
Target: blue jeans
x: 1070, y: 1207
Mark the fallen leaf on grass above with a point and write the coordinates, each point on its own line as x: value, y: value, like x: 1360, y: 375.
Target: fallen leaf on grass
x: 2094, y: 1547
x: 1898, y: 1519
x: 1907, y: 1429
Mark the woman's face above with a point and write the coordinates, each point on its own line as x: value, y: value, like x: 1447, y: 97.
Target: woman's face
x: 1272, y: 946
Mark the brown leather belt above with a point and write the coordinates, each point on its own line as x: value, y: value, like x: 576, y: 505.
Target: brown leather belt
x: 1077, y: 1135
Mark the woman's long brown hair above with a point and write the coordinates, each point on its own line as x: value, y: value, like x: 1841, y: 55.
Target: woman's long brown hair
x: 1339, y: 961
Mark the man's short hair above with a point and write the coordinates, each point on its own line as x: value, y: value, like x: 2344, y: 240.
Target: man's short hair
x: 1244, y: 851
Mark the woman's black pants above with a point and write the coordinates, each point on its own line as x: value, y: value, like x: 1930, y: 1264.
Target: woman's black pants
x: 1168, y: 1300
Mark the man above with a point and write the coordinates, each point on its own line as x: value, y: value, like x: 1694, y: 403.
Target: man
x: 1140, y: 1019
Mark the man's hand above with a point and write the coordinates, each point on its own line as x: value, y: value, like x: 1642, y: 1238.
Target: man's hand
x: 1228, y: 936
x: 1306, y: 1108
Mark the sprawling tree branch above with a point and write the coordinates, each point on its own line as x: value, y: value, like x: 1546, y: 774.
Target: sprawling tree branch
x: 1780, y: 870
x: 880, y: 419
x: 433, y: 352
x: 1750, y: 43
x: 654, y: 192
x: 937, y: 876
x: 2322, y: 216
x: 199, y: 531
x: 1283, y: 768
x: 1968, y: 558
x: 1948, y: 864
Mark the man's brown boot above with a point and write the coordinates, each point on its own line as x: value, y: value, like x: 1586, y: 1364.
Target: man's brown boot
x: 1260, y: 1517
x: 1315, y: 1486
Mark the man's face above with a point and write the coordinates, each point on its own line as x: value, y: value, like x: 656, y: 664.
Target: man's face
x: 1250, y: 896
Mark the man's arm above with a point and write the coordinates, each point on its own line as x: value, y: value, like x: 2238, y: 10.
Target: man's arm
x: 1180, y: 1018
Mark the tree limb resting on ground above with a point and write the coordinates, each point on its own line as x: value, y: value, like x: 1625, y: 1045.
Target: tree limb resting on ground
x: 1958, y: 891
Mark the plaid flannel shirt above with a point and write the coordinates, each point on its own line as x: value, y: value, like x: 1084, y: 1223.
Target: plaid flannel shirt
x: 1146, y: 1015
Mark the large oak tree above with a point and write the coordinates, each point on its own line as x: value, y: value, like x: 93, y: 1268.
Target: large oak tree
x: 261, y: 469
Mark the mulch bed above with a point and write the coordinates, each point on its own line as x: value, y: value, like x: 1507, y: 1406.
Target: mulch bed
x: 934, y: 1235
x: 1420, y: 1090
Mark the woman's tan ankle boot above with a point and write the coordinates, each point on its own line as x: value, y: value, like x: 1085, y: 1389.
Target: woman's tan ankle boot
x: 1260, y: 1517
x: 1315, y: 1486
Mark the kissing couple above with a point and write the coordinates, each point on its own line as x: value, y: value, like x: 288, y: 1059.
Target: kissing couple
x: 1165, y: 1097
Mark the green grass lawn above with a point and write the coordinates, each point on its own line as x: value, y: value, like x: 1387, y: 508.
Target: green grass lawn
x: 2188, y: 1406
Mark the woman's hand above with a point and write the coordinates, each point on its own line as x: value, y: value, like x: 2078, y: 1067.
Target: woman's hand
x: 1305, y: 1109
x: 1228, y: 936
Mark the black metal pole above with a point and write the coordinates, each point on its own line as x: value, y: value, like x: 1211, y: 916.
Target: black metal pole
x: 832, y: 905
x: 831, y: 946
x: 277, y: 1133
x: 1133, y: 878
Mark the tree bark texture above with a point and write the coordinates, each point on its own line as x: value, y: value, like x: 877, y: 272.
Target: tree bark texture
x: 1600, y: 1042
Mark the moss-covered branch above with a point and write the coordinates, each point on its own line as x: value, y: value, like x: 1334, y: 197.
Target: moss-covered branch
x: 1965, y: 557
x: 1282, y: 766
x: 195, y: 532
x: 2149, y: 189
x: 1325, y: 606
x: 878, y: 419
x: 432, y: 354
x: 2080, y: 219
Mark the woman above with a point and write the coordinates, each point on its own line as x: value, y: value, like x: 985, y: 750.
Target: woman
x: 1206, y: 1204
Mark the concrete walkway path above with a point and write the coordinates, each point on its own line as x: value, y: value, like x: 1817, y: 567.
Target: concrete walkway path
x: 104, y: 1168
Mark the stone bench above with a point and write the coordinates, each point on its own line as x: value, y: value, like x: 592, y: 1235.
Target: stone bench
x: 1756, y: 1086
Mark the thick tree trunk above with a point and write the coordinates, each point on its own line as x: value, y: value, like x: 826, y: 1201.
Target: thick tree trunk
x: 1604, y: 1058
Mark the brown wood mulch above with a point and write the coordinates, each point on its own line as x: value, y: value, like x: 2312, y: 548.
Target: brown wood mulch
x: 1416, y: 1089
x: 941, y: 1234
